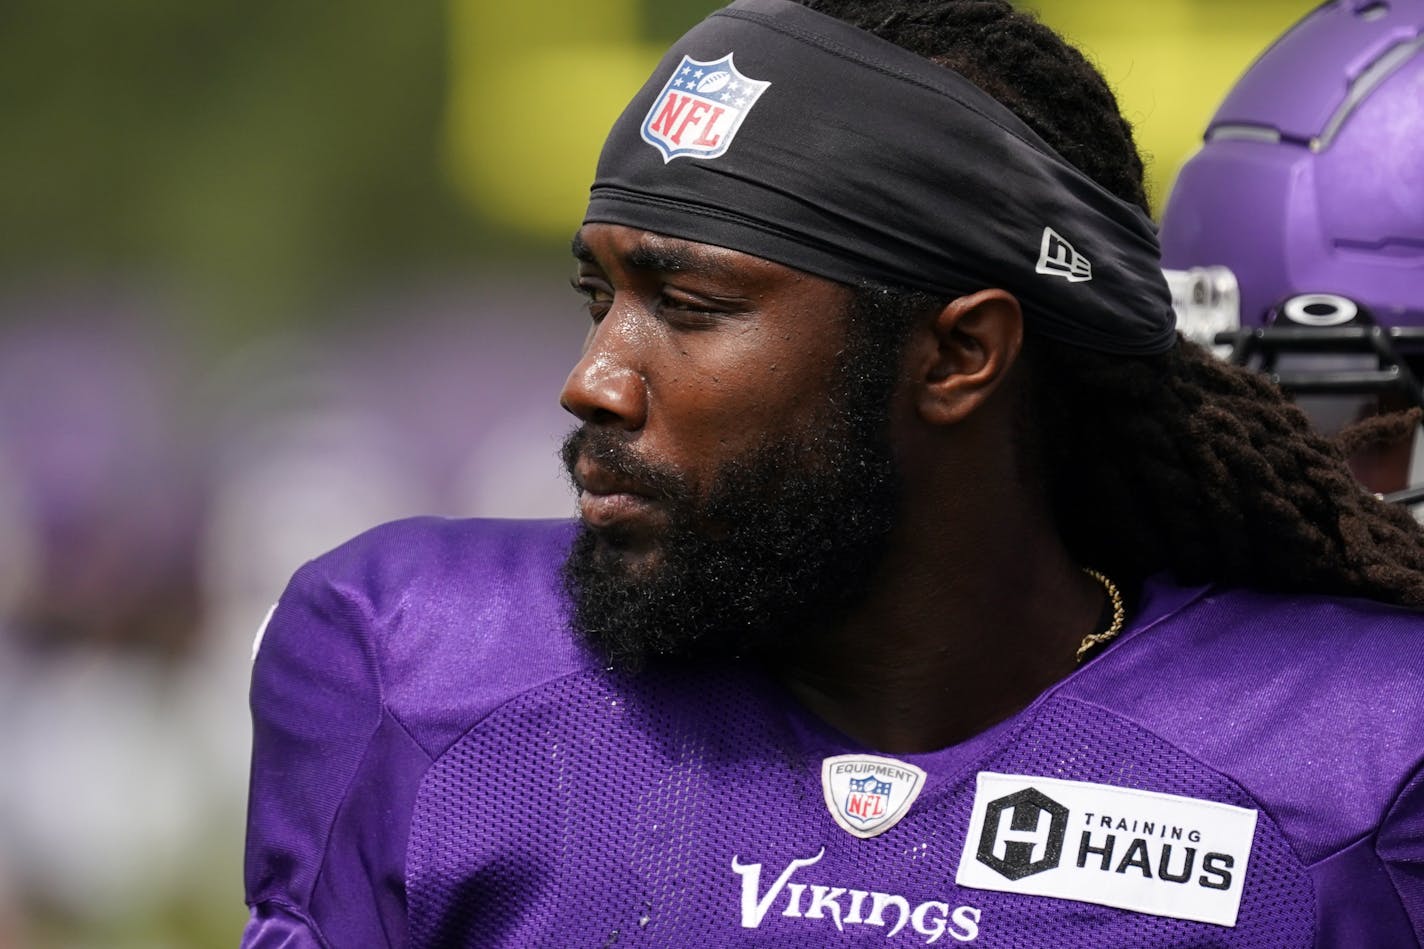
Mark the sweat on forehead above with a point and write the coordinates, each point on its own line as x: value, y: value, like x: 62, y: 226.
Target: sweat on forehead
x: 784, y: 133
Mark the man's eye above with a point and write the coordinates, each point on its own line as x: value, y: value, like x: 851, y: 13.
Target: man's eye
x: 689, y: 312
x: 682, y: 306
x: 596, y: 299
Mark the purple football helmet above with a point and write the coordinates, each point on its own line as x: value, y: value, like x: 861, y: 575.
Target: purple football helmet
x: 1310, y: 184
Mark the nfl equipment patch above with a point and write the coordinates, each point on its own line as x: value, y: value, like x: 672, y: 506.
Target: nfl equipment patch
x: 1178, y: 857
x: 700, y: 109
x: 866, y: 794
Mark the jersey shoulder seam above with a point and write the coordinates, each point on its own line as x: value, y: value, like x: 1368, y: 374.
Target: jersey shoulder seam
x: 297, y: 911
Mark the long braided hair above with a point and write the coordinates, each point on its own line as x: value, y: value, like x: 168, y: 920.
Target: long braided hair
x: 1176, y: 462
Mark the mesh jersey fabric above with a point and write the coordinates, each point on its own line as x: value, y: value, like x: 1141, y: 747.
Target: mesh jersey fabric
x: 436, y: 763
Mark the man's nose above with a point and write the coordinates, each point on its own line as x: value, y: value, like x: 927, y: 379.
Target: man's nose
x: 605, y: 386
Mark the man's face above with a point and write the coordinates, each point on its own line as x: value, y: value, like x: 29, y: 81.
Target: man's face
x: 732, y: 464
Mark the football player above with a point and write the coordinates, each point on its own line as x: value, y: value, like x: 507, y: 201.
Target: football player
x: 926, y: 587
x: 1306, y: 201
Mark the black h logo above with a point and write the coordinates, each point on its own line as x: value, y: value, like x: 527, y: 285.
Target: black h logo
x: 1025, y: 834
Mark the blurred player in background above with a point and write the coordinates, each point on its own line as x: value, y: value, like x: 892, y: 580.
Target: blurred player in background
x: 925, y: 585
x: 1307, y: 201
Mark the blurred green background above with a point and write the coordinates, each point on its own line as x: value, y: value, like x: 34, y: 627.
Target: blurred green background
x: 263, y: 158
x: 237, y: 173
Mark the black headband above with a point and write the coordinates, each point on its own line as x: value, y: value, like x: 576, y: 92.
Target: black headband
x: 784, y: 133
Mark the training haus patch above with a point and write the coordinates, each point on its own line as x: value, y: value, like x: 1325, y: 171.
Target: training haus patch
x: 1171, y: 856
x: 868, y: 795
x: 700, y: 109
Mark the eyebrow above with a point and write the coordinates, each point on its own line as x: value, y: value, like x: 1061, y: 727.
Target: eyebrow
x: 580, y: 249
x: 665, y: 259
x: 648, y: 255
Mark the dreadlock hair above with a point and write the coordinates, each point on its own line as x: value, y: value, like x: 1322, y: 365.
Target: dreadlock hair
x: 1177, y: 462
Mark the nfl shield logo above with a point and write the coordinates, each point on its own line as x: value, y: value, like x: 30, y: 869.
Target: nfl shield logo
x: 868, y: 799
x: 867, y: 794
x: 700, y: 109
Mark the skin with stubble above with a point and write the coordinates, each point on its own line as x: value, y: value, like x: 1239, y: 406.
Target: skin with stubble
x: 755, y: 480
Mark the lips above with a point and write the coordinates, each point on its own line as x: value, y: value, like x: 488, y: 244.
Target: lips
x: 607, y: 499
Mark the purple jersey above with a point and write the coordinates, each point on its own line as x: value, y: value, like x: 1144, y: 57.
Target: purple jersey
x: 438, y: 762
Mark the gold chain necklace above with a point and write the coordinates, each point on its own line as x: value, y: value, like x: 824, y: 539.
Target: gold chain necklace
x: 1119, y: 615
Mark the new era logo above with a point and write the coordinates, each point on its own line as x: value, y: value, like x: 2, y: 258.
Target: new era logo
x: 1057, y: 258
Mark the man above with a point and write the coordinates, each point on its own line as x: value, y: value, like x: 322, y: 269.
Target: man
x: 925, y: 588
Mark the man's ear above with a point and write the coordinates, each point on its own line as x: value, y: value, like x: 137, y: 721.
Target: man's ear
x: 963, y: 353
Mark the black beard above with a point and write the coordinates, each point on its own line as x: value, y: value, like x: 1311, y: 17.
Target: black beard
x: 785, y: 538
